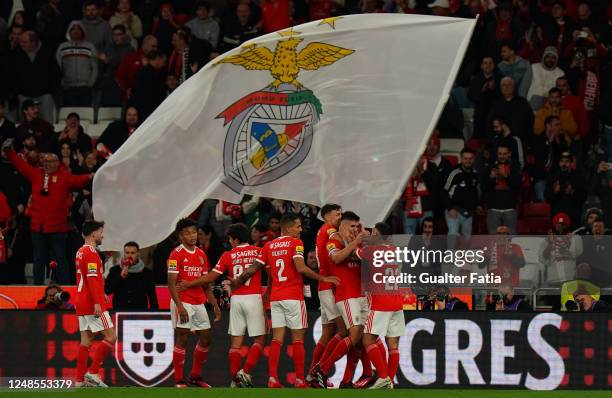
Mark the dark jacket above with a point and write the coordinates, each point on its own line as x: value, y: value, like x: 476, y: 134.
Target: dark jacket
x: 148, y: 91
x: 33, y: 79
x: 515, y: 144
x: 234, y: 34
x: 462, y: 191
x: 115, y: 135
x: 516, y: 112
x: 502, y: 192
x: 562, y: 202
x: 136, y: 291
x: 483, y: 99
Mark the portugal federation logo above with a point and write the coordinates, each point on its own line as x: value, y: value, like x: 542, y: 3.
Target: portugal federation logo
x: 270, y: 131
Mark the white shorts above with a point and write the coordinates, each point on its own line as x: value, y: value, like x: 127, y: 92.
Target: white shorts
x: 95, y: 324
x: 198, y: 317
x: 354, y: 311
x: 246, y: 312
x: 385, y: 323
x: 329, y: 311
x: 289, y: 313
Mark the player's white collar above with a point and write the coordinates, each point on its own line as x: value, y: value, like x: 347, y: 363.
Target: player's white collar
x: 242, y: 245
x: 187, y: 250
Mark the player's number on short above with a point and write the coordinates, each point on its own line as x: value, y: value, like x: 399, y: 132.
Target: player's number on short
x: 280, y: 264
x: 238, y: 270
x: 391, y: 272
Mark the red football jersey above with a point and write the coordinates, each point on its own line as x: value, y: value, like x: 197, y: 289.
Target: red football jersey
x: 384, y: 296
x: 277, y: 255
x: 325, y: 232
x: 235, y: 261
x: 348, y: 271
x: 90, y: 282
x: 189, y: 266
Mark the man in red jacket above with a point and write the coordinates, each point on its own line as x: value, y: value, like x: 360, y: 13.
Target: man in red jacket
x: 51, y: 189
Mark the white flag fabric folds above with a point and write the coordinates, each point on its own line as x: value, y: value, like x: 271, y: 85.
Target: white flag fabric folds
x: 337, y: 110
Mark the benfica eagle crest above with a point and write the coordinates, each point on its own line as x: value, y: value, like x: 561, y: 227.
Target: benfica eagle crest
x: 270, y: 131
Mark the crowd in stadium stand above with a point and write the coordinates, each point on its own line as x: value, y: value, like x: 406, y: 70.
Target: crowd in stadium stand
x: 524, y: 140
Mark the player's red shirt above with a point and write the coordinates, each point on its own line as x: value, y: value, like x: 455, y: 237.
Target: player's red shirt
x: 235, y: 261
x: 384, y: 296
x: 348, y: 271
x: 189, y: 266
x: 325, y: 232
x: 90, y: 282
x: 277, y: 255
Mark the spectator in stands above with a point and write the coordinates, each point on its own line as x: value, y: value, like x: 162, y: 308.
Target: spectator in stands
x: 311, y: 285
x: 14, y: 36
x: 600, y: 186
x: 505, y: 300
x: 238, y: 28
x: 502, y: 135
x: 429, y: 241
x: 514, y: 67
x: 559, y: 251
x: 461, y: 195
x: 420, y: 196
x: 131, y: 283
x: 598, y: 250
x: 257, y: 235
x: 203, y: 26
x: 74, y: 134
x: 78, y: 62
x: 541, y: 77
x: 110, y: 60
x: 504, y: 258
x: 124, y: 16
x: 554, y: 107
x: 149, y: 89
x: 321, y: 9
x: 534, y: 44
x: 210, y: 243
x: 97, y: 30
x: 171, y: 85
x: 67, y: 158
x: 51, y: 23
x: 275, y: 15
x: 558, y: 28
x: 584, y: 80
x: 55, y: 298
x: 586, y: 303
x: 33, y: 124
x: 132, y: 63
x: 575, y: 105
x: 501, y: 187
x: 51, y: 189
x: 483, y: 90
x: 118, y: 132
x: 7, y: 128
x: 212, y: 213
x: 512, y: 108
x: 501, y: 26
x: 589, y: 44
x: 35, y: 75
x: 164, y: 27
x: 565, y: 190
x: 433, y: 155
x: 592, y: 214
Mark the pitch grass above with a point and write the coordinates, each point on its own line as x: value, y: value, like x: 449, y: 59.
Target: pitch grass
x: 160, y: 392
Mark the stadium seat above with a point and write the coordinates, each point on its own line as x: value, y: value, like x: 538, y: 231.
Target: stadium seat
x: 536, y: 219
x: 453, y: 158
x: 451, y: 145
x: 108, y: 114
x: 85, y: 113
x: 59, y: 126
x: 96, y: 130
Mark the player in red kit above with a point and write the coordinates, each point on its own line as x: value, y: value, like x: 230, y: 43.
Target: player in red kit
x: 246, y: 305
x: 91, y: 306
x: 386, y: 316
x: 333, y: 329
x: 351, y: 303
x: 284, y: 259
x: 187, y: 309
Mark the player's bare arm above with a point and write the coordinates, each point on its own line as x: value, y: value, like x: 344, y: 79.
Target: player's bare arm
x: 210, y: 296
x: 172, y: 279
x: 202, y: 281
x: 303, y: 269
x: 341, y: 255
x: 249, y: 272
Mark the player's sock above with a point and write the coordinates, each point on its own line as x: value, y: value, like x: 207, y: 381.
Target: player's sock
x: 273, y: 357
x: 234, y: 361
x: 351, y: 364
x: 178, y: 360
x: 318, y: 353
x: 199, y: 359
x: 103, y: 349
x: 82, y: 358
x: 377, y: 359
x: 331, y: 346
x: 341, y: 348
x: 393, y: 363
x: 252, y: 357
x: 298, y: 359
x: 365, y: 362
x: 382, y: 348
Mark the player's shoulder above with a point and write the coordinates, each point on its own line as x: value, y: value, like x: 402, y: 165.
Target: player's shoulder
x: 199, y: 252
x: 328, y: 230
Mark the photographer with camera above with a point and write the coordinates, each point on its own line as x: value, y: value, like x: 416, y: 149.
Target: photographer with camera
x: 505, y: 300
x: 55, y: 299
x: 130, y: 282
x: 586, y: 302
x: 440, y: 298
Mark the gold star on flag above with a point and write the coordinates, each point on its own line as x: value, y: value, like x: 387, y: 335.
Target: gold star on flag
x: 288, y: 32
x: 331, y: 21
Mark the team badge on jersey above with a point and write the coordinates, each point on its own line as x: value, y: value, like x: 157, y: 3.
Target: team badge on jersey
x: 172, y: 266
x: 92, y: 268
x: 299, y: 250
x: 270, y: 131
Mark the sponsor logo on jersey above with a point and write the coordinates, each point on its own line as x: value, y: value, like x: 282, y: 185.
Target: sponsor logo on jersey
x: 92, y: 268
x: 299, y: 250
x: 172, y: 265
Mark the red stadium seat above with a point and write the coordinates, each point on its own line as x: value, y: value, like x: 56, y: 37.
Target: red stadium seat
x: 536, y: 219
x: 453, y: 158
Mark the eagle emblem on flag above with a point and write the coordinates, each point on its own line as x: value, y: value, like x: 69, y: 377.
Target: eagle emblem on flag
x: 270, y: 131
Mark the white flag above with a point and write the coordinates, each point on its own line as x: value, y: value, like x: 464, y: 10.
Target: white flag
x: 332, y: 111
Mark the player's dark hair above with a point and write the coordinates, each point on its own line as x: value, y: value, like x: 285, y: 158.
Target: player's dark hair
x: 349, y: 216
x: 288, y: 220
x: 383, y: 228
x: 132, y: 244
x: 239, y: 231
x: 184, y: 223
x: 260, y: 227
x: 91, y: 226
x: 329, y: 208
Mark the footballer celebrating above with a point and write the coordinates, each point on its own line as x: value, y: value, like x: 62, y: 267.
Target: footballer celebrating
x: 186, y: 263
x: 91, y: 306
x: 246, y: 305
x: 283, y: 258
